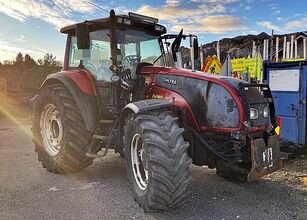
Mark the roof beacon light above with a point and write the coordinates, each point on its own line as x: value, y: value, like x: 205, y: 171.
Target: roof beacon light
x: 159, y: 28
x: 143, y: 17
x: 127, y: 21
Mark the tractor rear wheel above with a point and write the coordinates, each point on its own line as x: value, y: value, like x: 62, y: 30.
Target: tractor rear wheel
x: 59, y: 132
x: 157, y: 160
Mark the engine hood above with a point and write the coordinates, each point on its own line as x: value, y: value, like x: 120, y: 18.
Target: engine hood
x: 227, y: 82
x: 223, y: 93
x: 180, y: 72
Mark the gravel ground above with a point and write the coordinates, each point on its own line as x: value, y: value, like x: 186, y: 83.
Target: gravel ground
x: 27, y: 191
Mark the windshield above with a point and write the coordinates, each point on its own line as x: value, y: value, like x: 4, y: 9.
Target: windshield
x: 136, y: 47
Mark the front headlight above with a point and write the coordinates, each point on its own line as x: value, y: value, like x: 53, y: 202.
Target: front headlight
x: 266, y: 112
x: 253, y: 113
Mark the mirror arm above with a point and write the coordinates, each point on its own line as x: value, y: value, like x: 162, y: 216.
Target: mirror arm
x: 176, y: 44
x: 113, y: 37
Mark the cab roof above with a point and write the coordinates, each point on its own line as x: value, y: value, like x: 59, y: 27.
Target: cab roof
x: 139, y: 20
x: 70, y: 29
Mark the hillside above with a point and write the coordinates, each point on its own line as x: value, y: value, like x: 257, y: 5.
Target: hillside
x: 240, y: 46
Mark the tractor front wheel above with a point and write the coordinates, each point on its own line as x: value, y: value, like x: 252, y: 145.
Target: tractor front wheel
x: 157, y: 160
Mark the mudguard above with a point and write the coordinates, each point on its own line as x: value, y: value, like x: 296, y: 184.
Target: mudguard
x: 79, y: 83
x: 141, y: 106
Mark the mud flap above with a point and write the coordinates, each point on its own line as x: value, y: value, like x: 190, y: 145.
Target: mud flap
x: 265, y: 158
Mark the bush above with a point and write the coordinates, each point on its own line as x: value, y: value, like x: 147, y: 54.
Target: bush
x: 24, y: 75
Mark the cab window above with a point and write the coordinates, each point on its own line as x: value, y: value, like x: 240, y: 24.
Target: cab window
x: 97, y: 59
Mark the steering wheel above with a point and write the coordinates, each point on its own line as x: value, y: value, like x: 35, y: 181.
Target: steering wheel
x: 90, y: 67
x: 131, y: 59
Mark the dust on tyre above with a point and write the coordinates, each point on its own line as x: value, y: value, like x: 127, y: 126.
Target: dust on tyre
x: 59, y: 132
x: 157, y: 160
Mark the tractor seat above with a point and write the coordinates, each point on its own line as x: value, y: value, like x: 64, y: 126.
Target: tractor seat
x: 95, y: 61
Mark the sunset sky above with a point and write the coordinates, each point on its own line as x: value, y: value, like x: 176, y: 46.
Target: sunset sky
x: 33, y: 26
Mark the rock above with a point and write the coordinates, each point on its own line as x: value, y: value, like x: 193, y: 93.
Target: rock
x: 54, y: 189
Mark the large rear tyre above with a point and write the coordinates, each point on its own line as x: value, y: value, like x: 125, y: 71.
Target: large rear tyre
x: 157, y: 160
x: 59, y: 132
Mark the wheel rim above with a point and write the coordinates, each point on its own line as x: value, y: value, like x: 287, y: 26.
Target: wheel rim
x: 51, y: 129
x: 140, y: 173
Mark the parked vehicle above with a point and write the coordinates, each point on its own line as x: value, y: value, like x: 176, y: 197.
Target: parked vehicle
x: 115, y: 92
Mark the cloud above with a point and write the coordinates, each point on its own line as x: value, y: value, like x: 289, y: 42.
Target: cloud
x: 21, y: 39
x: 196, y: 17
x: 172, y: 3
x: 10, y: 50
x: 74, y: 5
x: 56, y: 12
x: 12, y: 12
x: 276, y: 12
x: 217, y: 24
x: 288, y: 26
x: 268, y: 25
x: 281, y: 19
x: 215, y: 1
x: 296, y: 24
x: 247, y: 7
x: 175, y: 12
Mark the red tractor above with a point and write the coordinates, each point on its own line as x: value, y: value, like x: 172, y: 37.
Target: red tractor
x: 115, y: 92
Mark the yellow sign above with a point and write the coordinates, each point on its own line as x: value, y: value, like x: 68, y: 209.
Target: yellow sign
x: 3, y: 88
x: 212, y: 65
x: 250, y: 65
x: 293, y: 60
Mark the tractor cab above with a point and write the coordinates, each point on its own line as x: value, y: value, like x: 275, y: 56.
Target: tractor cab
x: 114, y: 45
x: 111, y: 50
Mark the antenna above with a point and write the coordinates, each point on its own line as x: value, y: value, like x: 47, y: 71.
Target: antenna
x: 99, y: 7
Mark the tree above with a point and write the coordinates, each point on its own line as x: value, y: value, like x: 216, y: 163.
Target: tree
x: 19, y: 58
x: 8, y: 62
x: 29, y: 61
x: 49, y: 60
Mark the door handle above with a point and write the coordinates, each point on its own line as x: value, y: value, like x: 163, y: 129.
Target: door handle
x: 302, y: 101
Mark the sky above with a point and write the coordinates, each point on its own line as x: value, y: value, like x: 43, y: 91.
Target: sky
x: 33, y: 26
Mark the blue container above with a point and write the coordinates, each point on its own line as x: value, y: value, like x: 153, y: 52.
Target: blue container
x: 288, y: 81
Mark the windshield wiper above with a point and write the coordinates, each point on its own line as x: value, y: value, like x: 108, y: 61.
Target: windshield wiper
x: 157, y: 59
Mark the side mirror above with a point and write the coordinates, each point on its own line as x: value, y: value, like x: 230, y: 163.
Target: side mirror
x: 83, y: 36
x: 196, y: 48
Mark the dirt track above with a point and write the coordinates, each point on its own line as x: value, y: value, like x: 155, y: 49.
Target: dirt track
x: 27, y: 191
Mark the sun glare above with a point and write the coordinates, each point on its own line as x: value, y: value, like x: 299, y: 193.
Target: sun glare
x: 11, y: 109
